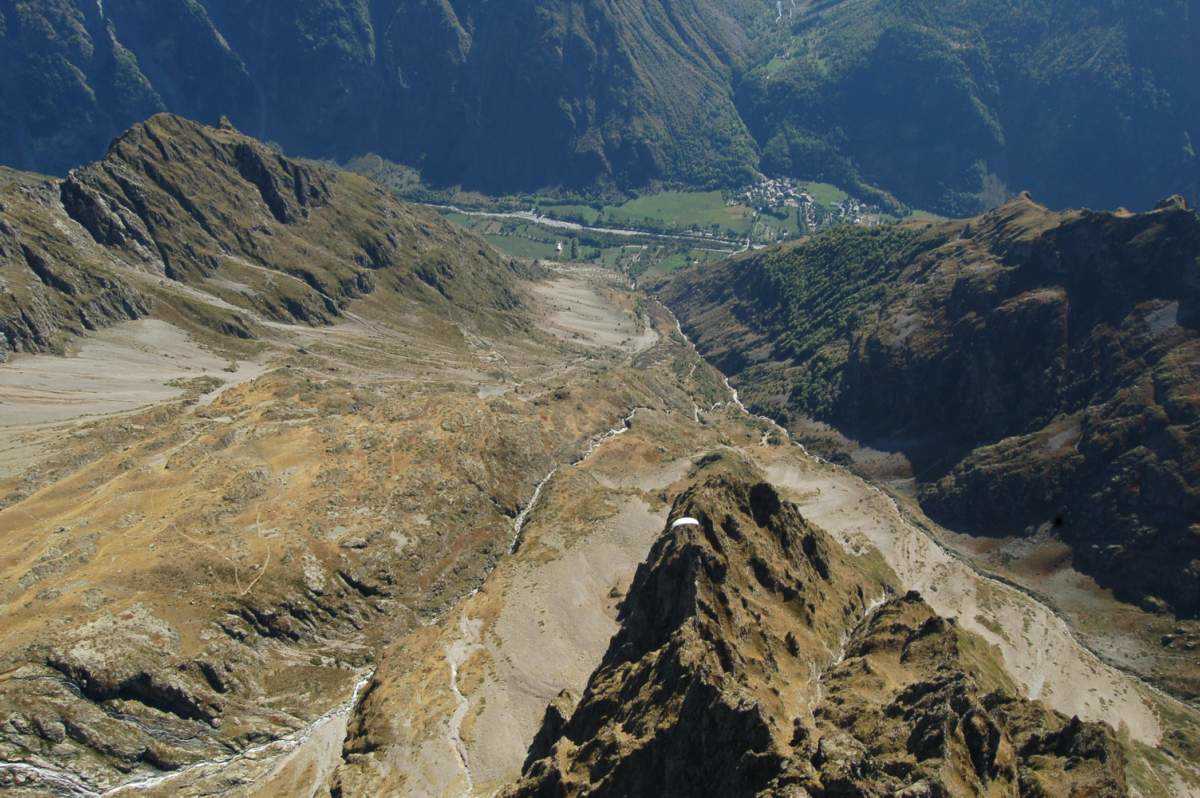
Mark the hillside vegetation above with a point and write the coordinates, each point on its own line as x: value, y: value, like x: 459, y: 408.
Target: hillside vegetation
x: 501, y: 96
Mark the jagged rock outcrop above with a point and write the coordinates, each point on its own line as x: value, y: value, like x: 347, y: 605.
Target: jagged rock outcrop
x: 287, y: 240
x: 756, y: 658
x: 51, y: 285
x: 1038, y: 368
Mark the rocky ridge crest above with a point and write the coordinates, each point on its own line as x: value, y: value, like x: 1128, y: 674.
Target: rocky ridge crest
x: 756, y: 658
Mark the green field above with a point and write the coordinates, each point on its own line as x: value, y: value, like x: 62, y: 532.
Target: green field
x: 824, y: 193
x: 615, y: 256
x: 674, y: 262
x: 658, y: 261
x: 585, y: 214
x: 460, y: 219
x: 520, y: 247
x: 518, y: 239
x: 654, y: 258
x: 681, y: 210
x: 669, y: 211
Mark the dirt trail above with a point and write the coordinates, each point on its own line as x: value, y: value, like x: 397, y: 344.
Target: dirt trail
x: 457, y: 654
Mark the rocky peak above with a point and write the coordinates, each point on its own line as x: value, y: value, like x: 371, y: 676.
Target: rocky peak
x: 722, y: 614
x: 284, y: 239
x: 182, y: 197
x: 1173, y: 202
x: 756, y: 658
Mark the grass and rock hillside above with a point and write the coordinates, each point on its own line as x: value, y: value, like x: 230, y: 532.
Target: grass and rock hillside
x: 212, y: 209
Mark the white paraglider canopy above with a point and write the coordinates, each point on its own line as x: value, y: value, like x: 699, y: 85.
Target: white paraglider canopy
x: 685, y: 522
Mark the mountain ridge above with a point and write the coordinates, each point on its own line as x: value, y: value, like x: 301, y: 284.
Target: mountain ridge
x: 319, y: 239
x: 755, y: 659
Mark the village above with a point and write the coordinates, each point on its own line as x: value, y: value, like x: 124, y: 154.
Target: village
x: 782, y: 196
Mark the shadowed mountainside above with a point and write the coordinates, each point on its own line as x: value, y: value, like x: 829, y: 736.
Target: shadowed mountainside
x: 1036, y: 367
x: 953, y: 104
x: 946, y: 105
x: 503, y: 96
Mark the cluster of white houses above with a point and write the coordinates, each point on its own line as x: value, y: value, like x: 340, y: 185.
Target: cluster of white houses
x: 781, y: 194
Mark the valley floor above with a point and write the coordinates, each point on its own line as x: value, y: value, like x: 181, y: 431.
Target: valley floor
x: 470, y: 504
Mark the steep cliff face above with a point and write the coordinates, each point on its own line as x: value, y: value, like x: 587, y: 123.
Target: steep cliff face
x: 505, y: 96
x: 756, y: 658
x: 1038, y: 368
x: 214, y: 209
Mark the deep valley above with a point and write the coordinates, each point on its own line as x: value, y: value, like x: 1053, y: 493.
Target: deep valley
x: 308, y: 491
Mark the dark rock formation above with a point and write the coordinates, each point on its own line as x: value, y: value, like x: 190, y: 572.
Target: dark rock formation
x: 51, y: 285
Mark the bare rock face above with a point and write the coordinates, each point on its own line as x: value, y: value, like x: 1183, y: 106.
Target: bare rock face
x: 756, y: 658
x: 1037, y: 368
x: 925, y: 706
x: 553, y: 725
